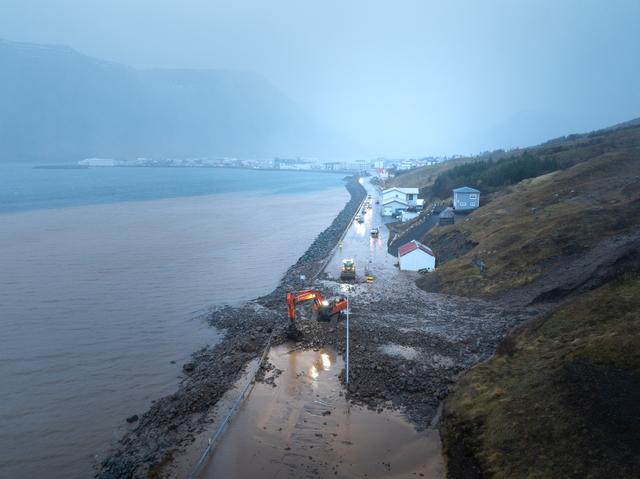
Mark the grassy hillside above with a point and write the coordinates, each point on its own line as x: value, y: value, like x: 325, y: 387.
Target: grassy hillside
x: 526, y: 230
x: 561, y: 399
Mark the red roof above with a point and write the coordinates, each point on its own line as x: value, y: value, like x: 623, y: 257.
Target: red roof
x: 412, y: 246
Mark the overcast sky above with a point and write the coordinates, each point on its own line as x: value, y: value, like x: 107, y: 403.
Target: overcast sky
x: 401, y: 78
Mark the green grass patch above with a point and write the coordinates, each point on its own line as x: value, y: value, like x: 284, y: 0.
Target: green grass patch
x: 492, y: 173
x: 561, y: 399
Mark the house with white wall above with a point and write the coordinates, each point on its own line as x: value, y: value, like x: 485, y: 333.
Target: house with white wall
x: 398, y: 199
x: 414, y: 256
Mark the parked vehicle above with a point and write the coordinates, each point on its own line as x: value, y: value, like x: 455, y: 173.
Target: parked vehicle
x: 375, y: 232
x: 360, y: 219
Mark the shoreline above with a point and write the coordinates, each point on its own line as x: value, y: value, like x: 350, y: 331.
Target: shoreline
x: 75, y: 166
x: 171, y: 424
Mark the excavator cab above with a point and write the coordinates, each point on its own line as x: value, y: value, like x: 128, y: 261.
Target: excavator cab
x: 348, y: 271
x: 324, y: 309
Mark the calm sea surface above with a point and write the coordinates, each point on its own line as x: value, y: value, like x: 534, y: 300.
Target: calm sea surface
x: 103, y: 276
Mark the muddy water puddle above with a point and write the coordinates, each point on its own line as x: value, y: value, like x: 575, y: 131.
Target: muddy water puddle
x: 304, y: 427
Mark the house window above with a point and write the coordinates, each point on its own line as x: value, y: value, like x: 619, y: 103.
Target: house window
x: 462, y: 203
x: 473, y: 196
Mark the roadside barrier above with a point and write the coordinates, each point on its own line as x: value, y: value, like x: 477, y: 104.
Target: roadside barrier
x: 215, y: 438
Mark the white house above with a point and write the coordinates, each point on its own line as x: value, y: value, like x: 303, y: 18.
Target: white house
x: 392, y: 206
x: 414, y: 256
x: 408, y: 195
x: 398, y: 199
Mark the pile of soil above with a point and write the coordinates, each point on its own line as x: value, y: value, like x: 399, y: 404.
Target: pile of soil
x: 407, y: 347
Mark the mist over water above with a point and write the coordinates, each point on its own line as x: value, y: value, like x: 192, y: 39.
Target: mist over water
x: 97, y: 300
x: 398, y: 79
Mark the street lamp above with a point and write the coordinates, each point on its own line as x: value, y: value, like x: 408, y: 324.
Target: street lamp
x: 347, y: 339
x: 346, y: 288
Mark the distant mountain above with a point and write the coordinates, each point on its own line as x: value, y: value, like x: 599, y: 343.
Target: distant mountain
x: 57, y: 104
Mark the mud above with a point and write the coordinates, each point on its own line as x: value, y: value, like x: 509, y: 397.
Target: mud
x: 582, y: 271
x: 299, y: 424
x: 431, y: 337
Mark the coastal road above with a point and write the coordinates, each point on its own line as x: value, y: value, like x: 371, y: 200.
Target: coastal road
x: 370, y: 254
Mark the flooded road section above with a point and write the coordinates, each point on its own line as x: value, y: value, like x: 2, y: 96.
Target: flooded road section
x: 297, y: 423
x: 369, y: 253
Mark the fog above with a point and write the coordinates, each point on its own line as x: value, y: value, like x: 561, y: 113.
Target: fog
x: 402, y: 78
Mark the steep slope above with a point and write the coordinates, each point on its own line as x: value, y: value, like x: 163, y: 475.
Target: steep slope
x: 587, y: 144
x: 560, y: 399
x: 550, y: 235
x: 56, y: 104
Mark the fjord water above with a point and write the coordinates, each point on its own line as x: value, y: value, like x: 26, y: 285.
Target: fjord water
x: 104, y: 276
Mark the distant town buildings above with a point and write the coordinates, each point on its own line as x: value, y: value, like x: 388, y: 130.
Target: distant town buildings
x: 401, y: 165
x: 98, y: 162
x: 466, y: 199
x: 384, y: 168
x: 317, y: 165
x: 309, y: 164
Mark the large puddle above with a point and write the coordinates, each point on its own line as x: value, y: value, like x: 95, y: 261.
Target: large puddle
x: 304, y: 427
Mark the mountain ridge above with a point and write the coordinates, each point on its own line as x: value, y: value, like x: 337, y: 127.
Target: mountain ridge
x: 59, y: 104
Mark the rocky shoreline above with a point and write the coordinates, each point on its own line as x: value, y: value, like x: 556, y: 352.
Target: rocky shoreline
x: 171, y: 424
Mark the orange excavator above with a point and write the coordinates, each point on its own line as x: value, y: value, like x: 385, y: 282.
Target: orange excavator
x: 325, y: 309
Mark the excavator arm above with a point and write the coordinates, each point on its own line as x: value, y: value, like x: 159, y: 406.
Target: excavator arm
x: 324, y: 308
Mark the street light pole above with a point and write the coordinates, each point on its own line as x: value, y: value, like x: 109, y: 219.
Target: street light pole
x: 347, y: 363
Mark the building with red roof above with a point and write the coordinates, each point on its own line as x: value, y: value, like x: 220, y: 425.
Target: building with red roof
x: 414, y: 256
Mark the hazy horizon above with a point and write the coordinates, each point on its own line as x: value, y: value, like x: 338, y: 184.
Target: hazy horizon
x: 403, y: 80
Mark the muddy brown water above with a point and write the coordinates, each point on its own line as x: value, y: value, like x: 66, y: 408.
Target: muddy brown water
x: 304, y: 427
x: 99, y: 309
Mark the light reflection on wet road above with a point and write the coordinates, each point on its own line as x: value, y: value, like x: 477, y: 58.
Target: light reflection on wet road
x: 304, y: 427
x: 370, y: 254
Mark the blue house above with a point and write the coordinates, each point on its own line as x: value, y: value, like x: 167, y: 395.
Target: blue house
x: 466, y: 199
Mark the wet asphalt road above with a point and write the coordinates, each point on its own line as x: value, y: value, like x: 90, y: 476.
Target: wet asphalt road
x: 370, y: 254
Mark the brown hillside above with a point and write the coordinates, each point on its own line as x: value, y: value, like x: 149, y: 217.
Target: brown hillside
x: 585, y: 216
